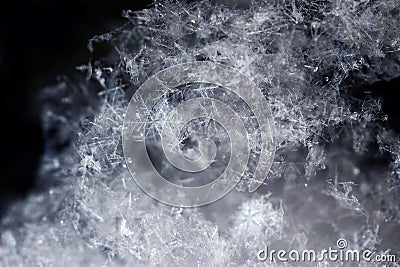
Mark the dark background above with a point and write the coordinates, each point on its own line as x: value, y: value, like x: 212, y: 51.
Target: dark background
x: 43, y: 39
x: 40, y: 40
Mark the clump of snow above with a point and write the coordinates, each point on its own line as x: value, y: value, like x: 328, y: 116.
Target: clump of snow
x: 303, y: 55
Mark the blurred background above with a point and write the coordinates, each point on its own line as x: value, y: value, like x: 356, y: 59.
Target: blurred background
x: 42, y: 40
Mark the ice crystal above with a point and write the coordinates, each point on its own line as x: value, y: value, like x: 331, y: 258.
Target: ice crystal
x: 304, y: 55
x: 258, y: 218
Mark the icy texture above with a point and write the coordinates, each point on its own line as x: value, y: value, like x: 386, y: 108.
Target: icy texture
x: 303, y: 55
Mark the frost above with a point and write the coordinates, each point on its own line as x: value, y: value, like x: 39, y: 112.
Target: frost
x: 305, y: 56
